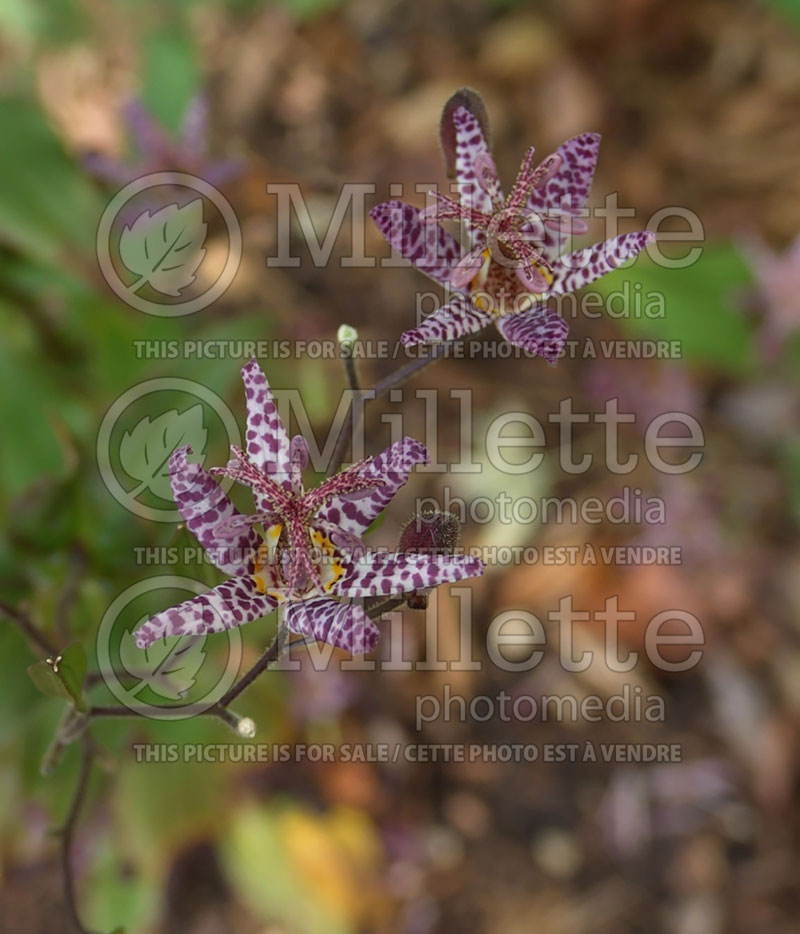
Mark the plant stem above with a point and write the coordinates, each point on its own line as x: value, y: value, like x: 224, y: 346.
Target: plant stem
x: 271, y: 655
x: 26, y: 624
x: 396, y: 378
x: 68, y: 830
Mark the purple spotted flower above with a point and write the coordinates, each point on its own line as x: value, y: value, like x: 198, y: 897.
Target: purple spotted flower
x: 310, y: 559
x: 516, y: 260
x: 157, y: 151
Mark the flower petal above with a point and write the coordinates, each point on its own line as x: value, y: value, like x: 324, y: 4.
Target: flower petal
x: 540, y: 330
x: 567, y: 191
x: 267, y: 443
x: 148, y: 137
x: 575, y: 270
x: 344, y: 625
x: 379, y: 573
x: 203, y: 505
x: 422, y: 242
x: 472, y: 154
x: 455, y: 319
x: 569, y: 187
x: 232, y: 603
x: 392, y: 466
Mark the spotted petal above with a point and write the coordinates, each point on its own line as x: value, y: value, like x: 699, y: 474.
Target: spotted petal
x: 567, y: 191
x: 455, y: 319
x: 232, y: 603
x: 425, y: 244
x: 393, y: 466
x: 578, y: 269
x: 538, y: 331
x: 472, y: 156
x: 380, y: 574
x: 204, y: 505
x: 267, y: 443
x: 569, y: 187
x: 344, y: 625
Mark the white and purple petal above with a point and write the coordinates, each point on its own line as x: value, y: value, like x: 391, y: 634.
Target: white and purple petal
x: 424, y: 243
x: 575, y: 270
x: 539, y: 331
x: 472, y: 156
x: 232, y: 603
x: 458, y: 317
x: 568, y: 189
x: 203, y: 505
x: 565, y: 193
x: 267, y: 444
x: 382, y: 574
x: 324, y: 619
x: 354, y: 515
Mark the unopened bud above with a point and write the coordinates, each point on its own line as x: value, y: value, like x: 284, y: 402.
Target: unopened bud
x: 246, y: 728
x: 429, y: 533
x: 347, y: 335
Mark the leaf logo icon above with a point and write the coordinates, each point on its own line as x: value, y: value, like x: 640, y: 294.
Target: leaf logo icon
x: 144, y: 452
x: 164, y: 249
x: 168, y: 667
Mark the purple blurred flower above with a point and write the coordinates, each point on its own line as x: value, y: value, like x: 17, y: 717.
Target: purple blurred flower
x: 312, y: 551
x: 778, y: 292
x: 516, y: 260
x: 158, y: 152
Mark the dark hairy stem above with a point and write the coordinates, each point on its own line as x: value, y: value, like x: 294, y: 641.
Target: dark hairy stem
x: 396, y: 378
x: 271, y: 655
x: 67, y: 833
x: 31, y: 630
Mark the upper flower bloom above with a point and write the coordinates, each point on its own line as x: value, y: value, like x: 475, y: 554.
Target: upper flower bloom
x: 311, y: 551
x: 517, y: 257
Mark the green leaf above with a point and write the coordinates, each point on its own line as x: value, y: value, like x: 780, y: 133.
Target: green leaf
x: 144, y: 452
x: 47, y: 681
x: 171, y: 76
x: 699, y: 306
x: 72, y: 670
x: 63, y: 677
x: 164, y: 249
x: 168, y: 667
x: 51, y: 209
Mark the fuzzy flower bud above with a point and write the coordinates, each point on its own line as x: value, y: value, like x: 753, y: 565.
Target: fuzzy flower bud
x: 429, y: 533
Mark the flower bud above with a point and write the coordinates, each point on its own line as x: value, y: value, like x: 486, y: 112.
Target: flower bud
x: 347, y: 335
x: 246, y: 728
x: 429, y: 533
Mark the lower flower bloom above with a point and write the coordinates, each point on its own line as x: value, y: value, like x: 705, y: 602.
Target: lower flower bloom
x: 310, y: 560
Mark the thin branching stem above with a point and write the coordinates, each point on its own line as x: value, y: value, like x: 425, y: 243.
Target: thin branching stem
x: 67, y: 832
x: 31, y: 630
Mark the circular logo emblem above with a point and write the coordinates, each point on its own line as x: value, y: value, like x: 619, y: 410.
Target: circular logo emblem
x: 176, y: 677
x: 155, y: 245
x: 134, y: 445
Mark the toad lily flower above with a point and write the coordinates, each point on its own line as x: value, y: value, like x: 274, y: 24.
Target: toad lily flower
x: 516, y: 261
x: 157, y: 151
x: 311, y: 552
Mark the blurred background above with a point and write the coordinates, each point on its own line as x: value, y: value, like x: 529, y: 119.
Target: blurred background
x: 697, y: 102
